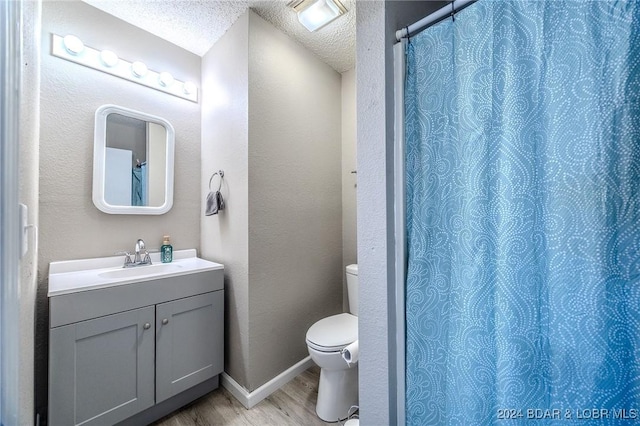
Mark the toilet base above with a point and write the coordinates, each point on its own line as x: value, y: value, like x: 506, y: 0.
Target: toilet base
x: 337, y: 393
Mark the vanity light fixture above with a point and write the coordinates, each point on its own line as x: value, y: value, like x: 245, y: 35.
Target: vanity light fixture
x: 315, y: 14
x: 73, y: 49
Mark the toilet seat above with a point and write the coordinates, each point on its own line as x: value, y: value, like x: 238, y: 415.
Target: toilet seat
x: 333, y: 333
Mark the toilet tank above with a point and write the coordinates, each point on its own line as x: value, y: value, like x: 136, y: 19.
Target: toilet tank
x: 352, y: 288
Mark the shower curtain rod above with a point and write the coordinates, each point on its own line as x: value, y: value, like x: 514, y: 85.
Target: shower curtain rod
x: 440, y: 14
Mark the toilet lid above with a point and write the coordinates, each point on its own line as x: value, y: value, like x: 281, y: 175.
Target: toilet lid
x: 333, y: 333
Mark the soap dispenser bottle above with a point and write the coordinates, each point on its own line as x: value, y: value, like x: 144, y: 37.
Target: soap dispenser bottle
x: 166, y: 251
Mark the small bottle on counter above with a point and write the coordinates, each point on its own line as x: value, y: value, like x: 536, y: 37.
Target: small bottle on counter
x: 166, y: 251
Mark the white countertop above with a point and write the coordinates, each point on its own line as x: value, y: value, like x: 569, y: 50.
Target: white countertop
x: 71, y: 276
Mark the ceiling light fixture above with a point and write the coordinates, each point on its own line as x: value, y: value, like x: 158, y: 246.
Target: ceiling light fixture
x: 315, y: 14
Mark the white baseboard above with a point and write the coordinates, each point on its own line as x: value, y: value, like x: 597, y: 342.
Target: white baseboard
x: 250, y: 399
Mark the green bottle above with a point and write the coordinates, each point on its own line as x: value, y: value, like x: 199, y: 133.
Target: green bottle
x: 166, y: 251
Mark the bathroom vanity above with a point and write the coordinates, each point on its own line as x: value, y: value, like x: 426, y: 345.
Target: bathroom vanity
x: 132, y: 345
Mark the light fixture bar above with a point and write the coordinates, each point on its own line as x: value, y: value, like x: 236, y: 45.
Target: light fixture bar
x: 108, y: 62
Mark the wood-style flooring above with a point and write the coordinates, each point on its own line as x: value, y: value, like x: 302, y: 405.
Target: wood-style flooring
x: 293, y: 404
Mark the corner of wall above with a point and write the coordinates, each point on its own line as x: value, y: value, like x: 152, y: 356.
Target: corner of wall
x: 29, y: 172
x: 376, y: 23
x: 224, y: 237
x: 295, y: 220
x: 349, y: 178
x: 371, y: 207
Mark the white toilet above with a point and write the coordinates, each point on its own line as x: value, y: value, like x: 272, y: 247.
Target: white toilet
x: 338, y: 388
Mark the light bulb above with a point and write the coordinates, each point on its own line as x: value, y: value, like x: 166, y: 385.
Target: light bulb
x: 139, y: 69
x: 189, y: 88
x: 73, y: 44
x: 166, y: 79
x: 109, y: 58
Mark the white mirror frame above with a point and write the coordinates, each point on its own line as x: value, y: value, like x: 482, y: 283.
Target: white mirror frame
x: 99, y: 157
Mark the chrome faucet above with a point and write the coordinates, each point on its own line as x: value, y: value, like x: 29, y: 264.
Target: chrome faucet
x: 141, y: 256
x: 139, y: 246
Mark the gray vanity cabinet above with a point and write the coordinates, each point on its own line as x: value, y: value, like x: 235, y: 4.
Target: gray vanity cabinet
x: 103, y: 369
x: 188, y: 336
x: 133, y: 353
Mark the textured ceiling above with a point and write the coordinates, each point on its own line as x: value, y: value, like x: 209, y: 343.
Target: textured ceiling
x: 197, y: 25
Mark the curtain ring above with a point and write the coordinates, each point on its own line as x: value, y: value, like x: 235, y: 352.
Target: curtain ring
x: 219, y: 173
x: 453, y: 12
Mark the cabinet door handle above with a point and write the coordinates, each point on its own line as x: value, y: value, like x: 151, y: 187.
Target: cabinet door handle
x: 146, y: 326
x: 165, y: 321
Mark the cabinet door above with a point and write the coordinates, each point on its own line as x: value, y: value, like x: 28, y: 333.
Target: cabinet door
x: 101, y: 371
x: 189, y: 342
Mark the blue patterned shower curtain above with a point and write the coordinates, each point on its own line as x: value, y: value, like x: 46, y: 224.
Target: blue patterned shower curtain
x: 523, y: 215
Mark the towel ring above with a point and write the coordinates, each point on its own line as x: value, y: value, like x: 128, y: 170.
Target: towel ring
x: 219, y: 173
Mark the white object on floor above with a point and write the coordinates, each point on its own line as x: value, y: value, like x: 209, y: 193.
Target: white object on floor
x: 352, y: 422
x: 350, y: 353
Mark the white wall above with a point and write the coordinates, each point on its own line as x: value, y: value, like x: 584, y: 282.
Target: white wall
x: 157, y: 142
x: 376, y: 23
x: 349, y: 179
x: 372, y: 226
x: 295, y: 214
x: 225, y: 139
x: 29, y: 131
x: 71, y: 226
x: 276, y: 133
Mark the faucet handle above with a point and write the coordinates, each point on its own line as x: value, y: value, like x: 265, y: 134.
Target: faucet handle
x: 127, y: 257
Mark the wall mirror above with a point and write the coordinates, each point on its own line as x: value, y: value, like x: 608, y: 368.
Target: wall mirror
x: 132, y: 162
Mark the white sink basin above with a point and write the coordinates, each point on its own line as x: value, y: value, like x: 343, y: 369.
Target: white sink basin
x: 71, y: 276
x: 141, y: 271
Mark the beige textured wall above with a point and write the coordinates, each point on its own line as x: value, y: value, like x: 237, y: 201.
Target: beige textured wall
x: 295, y: 214
x: 71, y: 227
x: 224, y: 146
x: 275, y: 130
x: 349, y: 180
